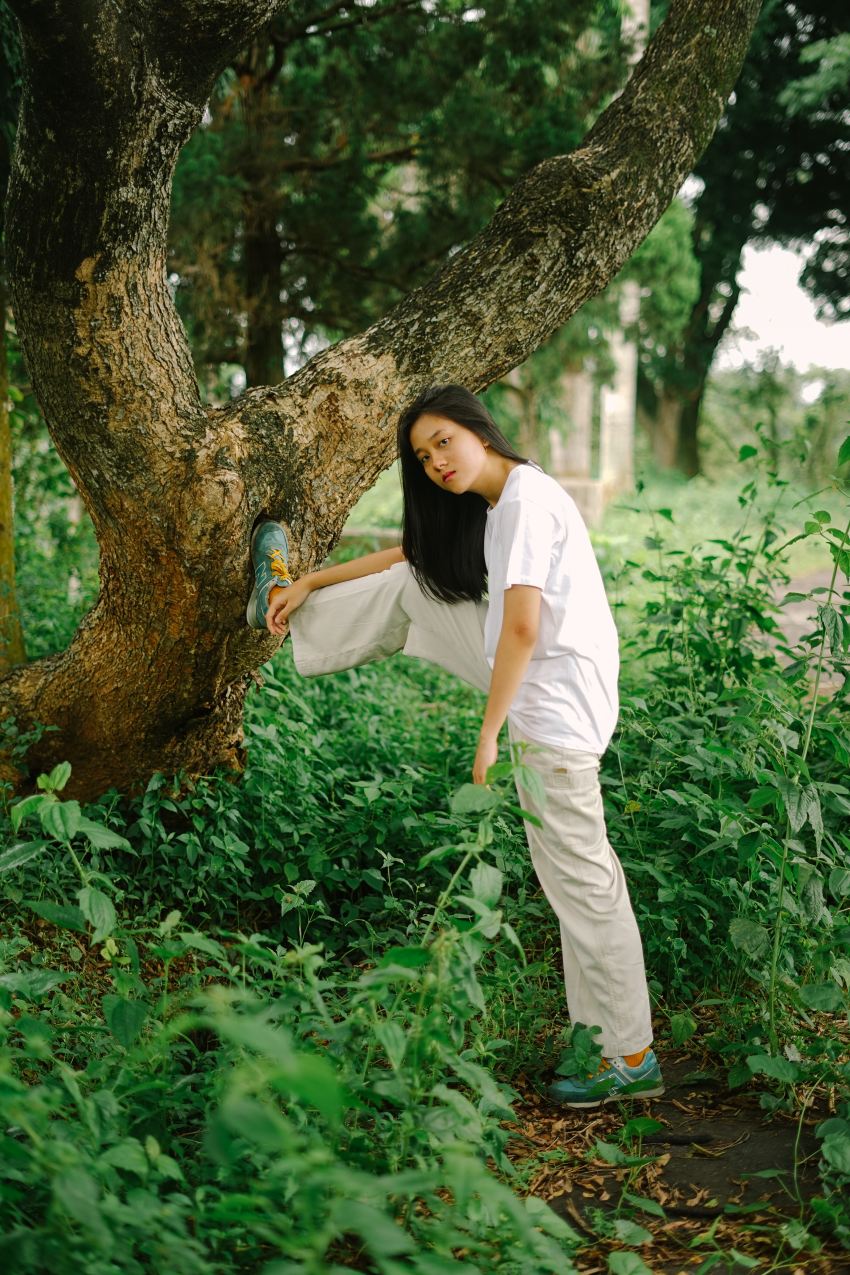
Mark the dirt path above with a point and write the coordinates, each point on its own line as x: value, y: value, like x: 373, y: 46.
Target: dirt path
x: 700, y: 1179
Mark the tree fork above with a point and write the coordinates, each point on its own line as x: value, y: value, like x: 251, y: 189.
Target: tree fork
x: 155, y: 677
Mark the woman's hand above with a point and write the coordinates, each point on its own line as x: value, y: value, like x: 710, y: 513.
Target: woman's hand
x: 485, y: 757
x: 282, y: 602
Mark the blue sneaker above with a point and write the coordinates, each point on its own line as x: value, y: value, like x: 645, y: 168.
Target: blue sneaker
x: 269, y: 553
x: 614, y: 1081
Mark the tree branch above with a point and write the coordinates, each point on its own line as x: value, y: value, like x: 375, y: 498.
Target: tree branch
x: 562, y: 234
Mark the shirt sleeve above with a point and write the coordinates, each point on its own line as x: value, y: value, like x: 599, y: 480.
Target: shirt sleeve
x: 529, y: 534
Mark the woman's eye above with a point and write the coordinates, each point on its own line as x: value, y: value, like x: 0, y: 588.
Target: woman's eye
x: 443, y: 440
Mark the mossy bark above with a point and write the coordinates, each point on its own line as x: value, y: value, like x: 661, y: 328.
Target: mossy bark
x: 11, y: 634
x: 156, y: 675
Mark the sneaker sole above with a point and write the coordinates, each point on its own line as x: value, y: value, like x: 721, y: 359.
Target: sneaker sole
x: 618, y: 1096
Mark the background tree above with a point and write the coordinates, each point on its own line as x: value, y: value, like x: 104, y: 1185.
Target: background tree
x: 351, y: 147
x: 767, y: 177
x: 11, y: 635
x: 155, y: 676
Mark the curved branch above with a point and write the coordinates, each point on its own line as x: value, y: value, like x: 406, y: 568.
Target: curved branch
x: 557, y: 240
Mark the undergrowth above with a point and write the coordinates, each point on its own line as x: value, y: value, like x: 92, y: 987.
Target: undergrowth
x: 272, y: 1025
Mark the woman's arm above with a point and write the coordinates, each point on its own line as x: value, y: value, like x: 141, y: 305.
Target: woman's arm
x: 282, y: 602
x: 517, y: 639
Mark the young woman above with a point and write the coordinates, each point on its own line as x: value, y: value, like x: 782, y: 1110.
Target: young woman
x: 479, y: 518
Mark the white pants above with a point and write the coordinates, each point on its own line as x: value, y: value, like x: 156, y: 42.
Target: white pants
x: 368, y: 619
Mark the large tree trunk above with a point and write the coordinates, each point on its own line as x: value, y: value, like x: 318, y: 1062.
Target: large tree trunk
x: 663, y: 426
x: 155, y: 677
x: 11, y: 634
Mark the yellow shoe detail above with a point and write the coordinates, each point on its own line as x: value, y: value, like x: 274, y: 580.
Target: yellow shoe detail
x: 278, y: 565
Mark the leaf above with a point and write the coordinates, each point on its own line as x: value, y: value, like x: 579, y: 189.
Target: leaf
x: 33, y: 983
x: 201, y: 943
x: 382, y: 1236
x: 839, y: 882
x: 825, y: 997
x: 98, y: 911
x: 486, y: 882
x: 644, y: 1204
x: 844, y: 452
x: 832, y: 627
x: 16, y: 856
x: 748, y: 936
x: 747, y: 451
x: 628, y: 1232
x: 775, y: 1068
x: 393, y: 1042
x: 682, y: 1027
x: 124, y: 1018
x: 65, y: 915
x: 836, y: 1151
x: 57, y: 779
x: 627, y: 1264
x: 61, y: 819
x: 79, y: 1196
x: 640, y: 1126
x: 129, y: 1155
x: 102, y: 838
x: 28, y: 806
x: 472, y: 799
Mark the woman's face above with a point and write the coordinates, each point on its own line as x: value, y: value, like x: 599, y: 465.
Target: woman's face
x: 452, y: 456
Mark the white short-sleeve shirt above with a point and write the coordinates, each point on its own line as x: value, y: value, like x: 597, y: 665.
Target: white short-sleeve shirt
x: 535, y: 535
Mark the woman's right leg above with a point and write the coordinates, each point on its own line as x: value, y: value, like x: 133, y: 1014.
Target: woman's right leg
x: 353, y: 623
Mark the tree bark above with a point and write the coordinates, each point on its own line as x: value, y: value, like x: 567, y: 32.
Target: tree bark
x: 156, y: 675
x: 11, y: 634
x: 664, y: 426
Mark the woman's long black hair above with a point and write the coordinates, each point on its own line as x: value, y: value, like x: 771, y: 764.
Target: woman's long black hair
x: 443, y: 534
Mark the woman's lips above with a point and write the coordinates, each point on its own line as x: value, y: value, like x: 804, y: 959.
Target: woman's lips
x: 449, y: 475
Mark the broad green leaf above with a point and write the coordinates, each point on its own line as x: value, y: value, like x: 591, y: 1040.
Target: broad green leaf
x: 102, y: 838
x: 627, y: 1264
x: 61, y: 819
x: 201, y: 943
x: 644, y: 1204
x: 822, y: 996
x: 486, y: 882
x: 29, y: 806
x: 836, y: 1151
x: 629, y: 1232
x: 57, y: 779
x: 98, y: 911
x: 839, y: 882
x: 392, y: 1040
x: 844, y: 452
x: 832, y: 627
x: 79, y: 1195
x: 682, y: 1027
x: 472, y: 799
x: 313, y: 1081
x: 640, y: 1127
x: 380, y: 1233
x: 65, y: 915
x: 747, y: 451
x: 542, y: 1215
x: 124, y: 1018
x: 776, y: 1068
x: 129, y: 1155
x: 16, y: 856
x: 748, y: 936
x: 32, y: 983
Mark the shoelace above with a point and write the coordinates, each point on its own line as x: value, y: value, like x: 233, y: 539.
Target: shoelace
x: 278, y: 564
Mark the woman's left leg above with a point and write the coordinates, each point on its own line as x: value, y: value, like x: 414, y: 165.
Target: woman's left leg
x: 583, y: 880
